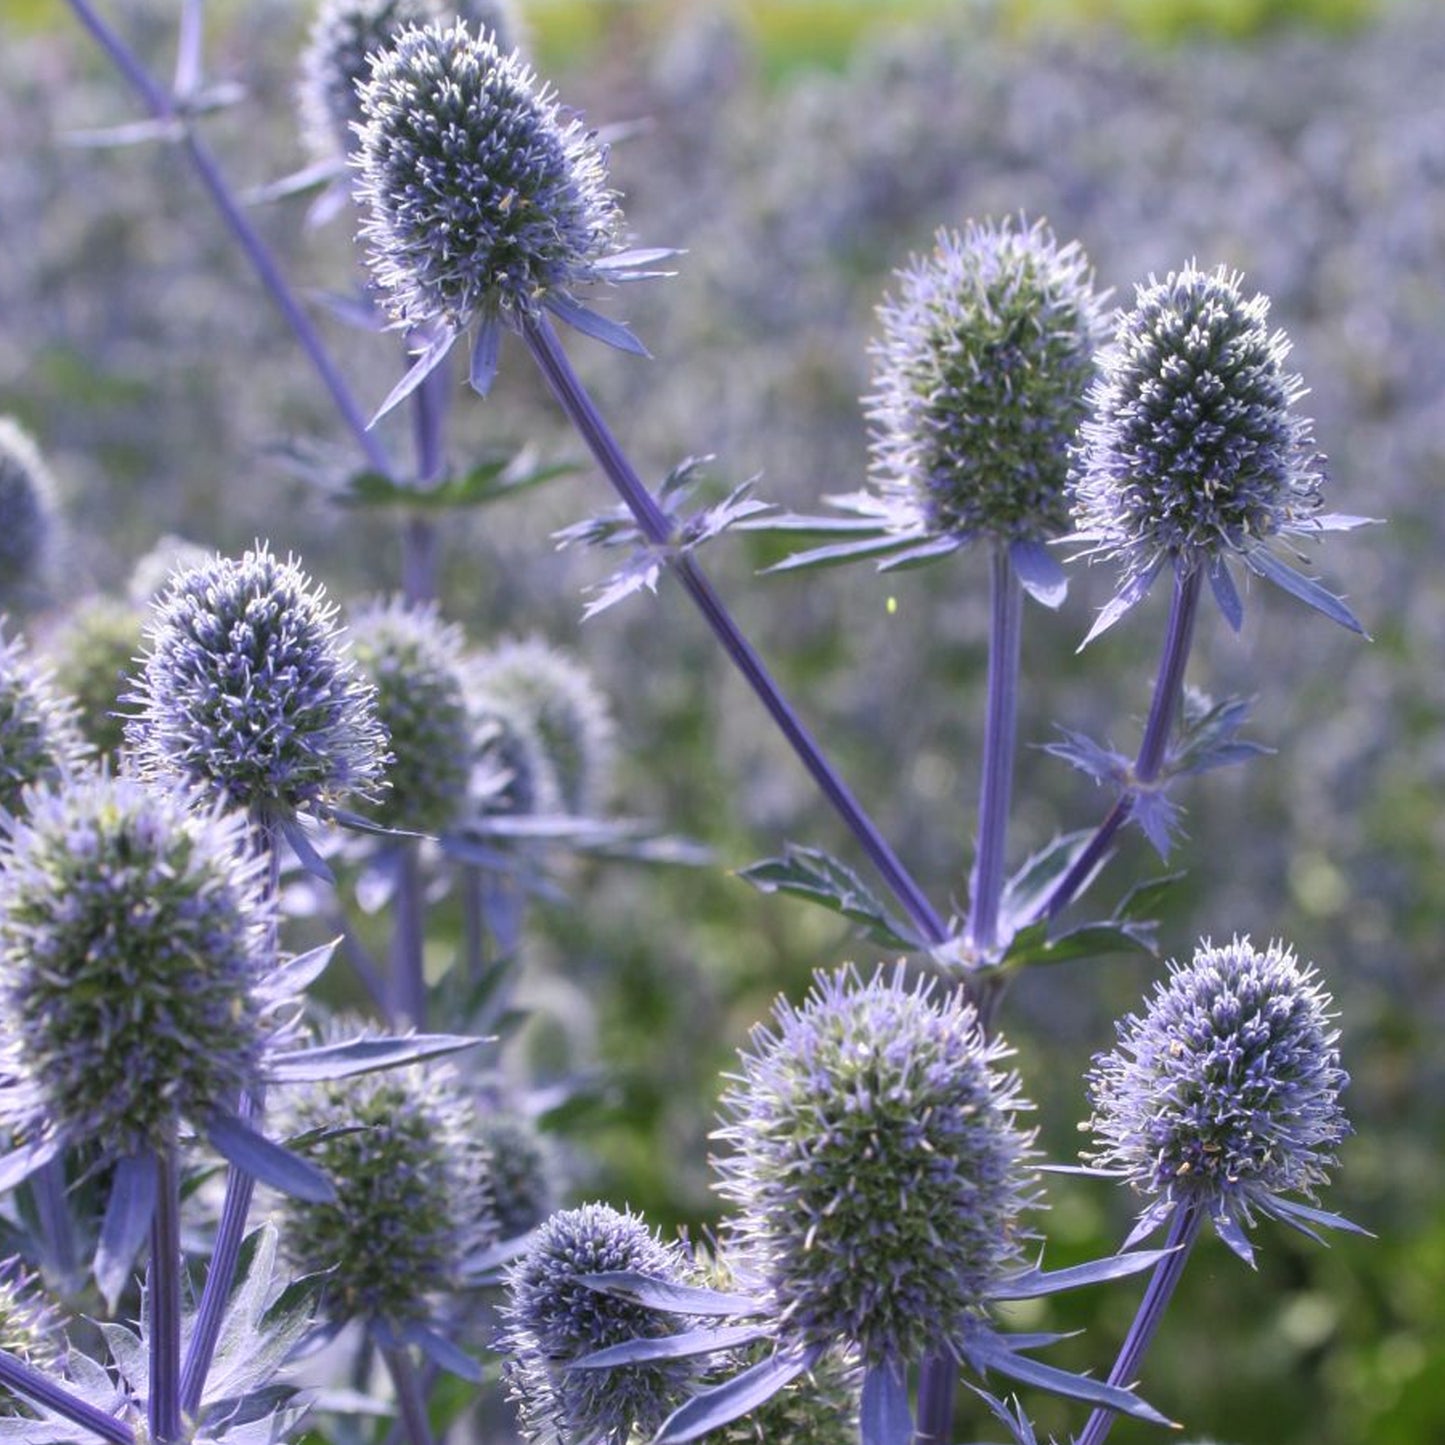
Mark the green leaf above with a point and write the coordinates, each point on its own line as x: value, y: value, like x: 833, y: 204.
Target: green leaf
x: 812, y: 874
x: 1026, y: 893
x: 490, y: 480
x: 1033, y: 945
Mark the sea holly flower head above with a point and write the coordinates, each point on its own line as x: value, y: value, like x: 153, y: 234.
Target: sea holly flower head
x: 93, y: 654
x: 133, y: 938
x: 483, y: 203
x: 553, y: 1319
x: 414, y: 661
x: 1224, y: 1095
x: 413, y: 1190
x: 28, y: 520
x: 30, y: 1327
x: 1194, y: 451
x: 247, y: 690
x: 979, y: 382
x: 877, y: 1167
x: 40, y: 738
x: 523, y: 1170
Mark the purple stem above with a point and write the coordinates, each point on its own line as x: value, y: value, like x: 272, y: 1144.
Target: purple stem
x: 162, y: 108
x: 1183, y: 1231
x: 656, y: 527
x: 408, y: 939
x: 1168, y: 685
x: 410, y: 1398
x: 25, y: 1380
x: 163, y: 1296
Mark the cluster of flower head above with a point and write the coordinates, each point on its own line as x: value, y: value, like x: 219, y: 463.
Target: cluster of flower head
x: 40, y: 740
x: 247, y: 691
x: 980, y: 380
x: 1225, y: 1094
x: 27, y: 514
x: 481, y: 200
x: 877, y: 1167
x: 413, y: 1190
x: 552, y: 1320
x: 1193, y: 449
x: 133, y: 932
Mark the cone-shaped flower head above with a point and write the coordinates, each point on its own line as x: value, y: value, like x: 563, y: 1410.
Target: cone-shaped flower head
x: 876, y: 1165
x: 414, y: 660
x: 40, y: 739
x: 133, y: 935
x: 553, y: 1319
x: 980, y: 380
x: 248, y: 692
x: 28, y: 521
x: 523, y: 1170
x: 481, y: 199
x: 93, y: 654
x: 1225, y: 1094
x: 552, y: 696
x: 413, y: 1194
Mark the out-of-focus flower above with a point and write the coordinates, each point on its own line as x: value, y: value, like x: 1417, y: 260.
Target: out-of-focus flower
x: 93, y: 655
x: 28, y: 520
x: 40, y: 738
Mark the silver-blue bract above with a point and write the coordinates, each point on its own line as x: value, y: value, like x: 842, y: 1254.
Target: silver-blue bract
x: 247, y: 691
x: 1225, y: 1093
x: 877, y: 1167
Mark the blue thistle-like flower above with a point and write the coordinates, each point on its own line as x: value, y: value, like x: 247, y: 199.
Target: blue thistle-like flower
x: 550, y: 695
x: 979, y: 382
x: 552, y: 1319
x: 482, y: 203
x: 522, y: 1169
x: 877, y: 1167
x: 40, y: 738
x: 1225, y: 1094
x: 413, y: 1193
x: 414, y: 661
x: 93, y: 654
x: 28, y: 521
x: 1194, y: 451
x: 133, y: 938
x: 247, y: 691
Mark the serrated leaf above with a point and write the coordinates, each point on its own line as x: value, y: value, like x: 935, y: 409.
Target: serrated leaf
x: 362, y: 1056
x: 1034, y: 1283
x: 685, y: 1346
x: 1306, y: 589
x: 1029, y: 889
x: 1032, y: 945
x: 812, y: 874
x: 1143, y: 900
x: 676, y: 1299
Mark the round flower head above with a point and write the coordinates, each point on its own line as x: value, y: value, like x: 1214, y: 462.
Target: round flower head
x: 133, y: 935
x: 1194, y: 451
x: 27, y: 515
x: 93, y: 654
x: 980, y: 380
x: 553, y: 1319
x: 414, y: 661
x: 1225, y: 1094
x: 876, y: 1166
x: 513, y: 775
x: 522, y: 1171
x: 413, y: 1197
x: 40, y: 739
x: 247, y: 691
x: 555, y: 697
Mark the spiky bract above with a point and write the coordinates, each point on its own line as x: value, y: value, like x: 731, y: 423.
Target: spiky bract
x: 40, y: 739
x: 414, y: 660
x: 1225, y: 1094
x: 28, y: 521
x: 247, y: 691
x: 30, y: 1327
x: 93, y: 654
x: 553, y: 696
x: 413, y: 1192
x: 480, y: 198
x: 553, y: 1319
x: 1193, y: 449
x: 876, y: 1165
x: 133, y: 934
x: 979, y: 381
x: 523, y: 1170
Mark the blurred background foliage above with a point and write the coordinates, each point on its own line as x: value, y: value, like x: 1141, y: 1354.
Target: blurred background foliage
x: 799, y: 151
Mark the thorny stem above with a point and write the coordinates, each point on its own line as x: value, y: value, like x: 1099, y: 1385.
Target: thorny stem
x: 567, y: 387
x: 1183, y: 610
x: 50, y: 1394
x: 409, y: 1396
x: 163, y: 108
x: 1183, y: 1231
x: 163, y: 1294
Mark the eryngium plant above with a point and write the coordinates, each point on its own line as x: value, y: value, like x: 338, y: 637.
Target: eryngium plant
x: 414, y: 661
x: 552, y: 1319
x: 413, y: 1192
x: 523, y: 1170
x: 133, y: 929
x: 877, y: 1167
x: 93, y: 654
x: 247, y: 691
x: 40, y: 739
x: 979, y: 382
x: 1225, y: 1094
x: 30, y: 1328
x: 28, y: 521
